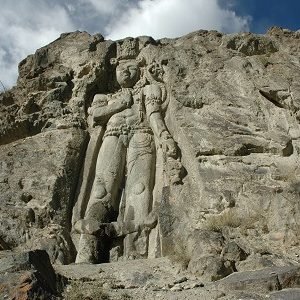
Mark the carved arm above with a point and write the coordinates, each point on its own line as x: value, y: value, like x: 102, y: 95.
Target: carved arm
x: 160, y: 130
x: 153, y: 95
x: 101, y: 114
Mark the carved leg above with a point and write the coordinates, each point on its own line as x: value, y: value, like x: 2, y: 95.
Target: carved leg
x: 139, y: 188
x: 103, y: 204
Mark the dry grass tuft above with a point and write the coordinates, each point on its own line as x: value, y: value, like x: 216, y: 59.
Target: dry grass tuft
x: 228, y: 218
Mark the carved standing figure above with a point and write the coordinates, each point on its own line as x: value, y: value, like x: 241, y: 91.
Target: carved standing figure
x: 121, y: 199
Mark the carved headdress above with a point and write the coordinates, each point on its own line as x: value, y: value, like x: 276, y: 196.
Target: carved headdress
x: 127, y: 49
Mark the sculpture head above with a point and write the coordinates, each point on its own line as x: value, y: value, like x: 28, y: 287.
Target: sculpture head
x: 128, y: 73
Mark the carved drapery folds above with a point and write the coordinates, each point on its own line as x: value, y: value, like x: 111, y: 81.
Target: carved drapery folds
x: 118, y: 219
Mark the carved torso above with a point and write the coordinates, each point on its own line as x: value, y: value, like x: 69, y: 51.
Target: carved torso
x: 132, y: 119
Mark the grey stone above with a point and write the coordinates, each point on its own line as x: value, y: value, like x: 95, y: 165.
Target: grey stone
x: 180, y: 280
x: 224, y: 178
x: 264, y: 280
x: 286, y: 294
x: 135, y: 128
x: 28, y: 275
x: 44, y: 170
x: 176, y: 288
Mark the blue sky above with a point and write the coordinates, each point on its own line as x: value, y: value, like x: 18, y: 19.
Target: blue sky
x: 267, y: 13
x: 27, y: 25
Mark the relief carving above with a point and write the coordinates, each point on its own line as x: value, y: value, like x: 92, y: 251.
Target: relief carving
x: 120, y: 219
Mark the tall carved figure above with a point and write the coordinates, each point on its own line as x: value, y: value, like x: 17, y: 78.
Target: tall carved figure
x: 121, y: 200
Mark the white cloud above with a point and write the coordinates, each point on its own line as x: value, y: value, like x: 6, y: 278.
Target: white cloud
x: 107, y: 7
x: 27, y: 25
x: 172, y: 18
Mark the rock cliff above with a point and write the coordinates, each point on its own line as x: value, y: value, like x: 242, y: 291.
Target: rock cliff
x: 208, y: 168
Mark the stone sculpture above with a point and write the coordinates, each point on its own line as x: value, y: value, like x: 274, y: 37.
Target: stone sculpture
x: 120, y: 205
x: 231, y: 103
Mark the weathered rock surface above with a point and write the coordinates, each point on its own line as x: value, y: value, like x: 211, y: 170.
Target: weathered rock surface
x: 162, y: 279
x: 263, y: 281
x: 233, y: 111
x: 29, y: 275
x: 142, y: 279
x: 290, y: 294
x: 38, y: 179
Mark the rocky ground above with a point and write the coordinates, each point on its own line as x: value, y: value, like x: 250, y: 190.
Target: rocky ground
x: 231, y: 227
x: 31, y: 276
x: 159, y: 279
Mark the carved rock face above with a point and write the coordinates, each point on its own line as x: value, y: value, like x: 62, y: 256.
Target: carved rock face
x: 156, y: 71
x: 233, y: 109
x: 127, y: 73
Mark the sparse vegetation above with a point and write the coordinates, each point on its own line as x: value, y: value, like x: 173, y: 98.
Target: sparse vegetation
x: 125, y: 296
x: 79, y: 290
x: 234, y: 218
x: 180, y: 256
x: 227, y: 218
x: 85, y: 289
